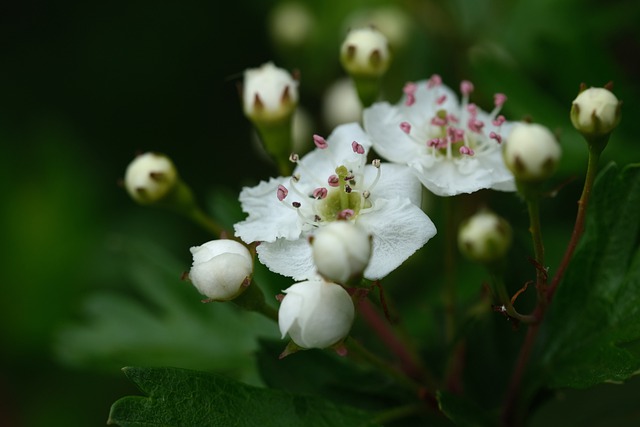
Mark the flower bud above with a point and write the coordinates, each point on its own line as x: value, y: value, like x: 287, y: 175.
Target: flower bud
x: 340, y: 104
x: 316, y: 314
x: 291, y: 24
x: 365, y: 53
x: 484, y: 237
x: 531, y: 152
x: 221, y: 269
x: 595, y: 112
x: 150, y: 177
x: 270, y: 94
x: 341, y: 251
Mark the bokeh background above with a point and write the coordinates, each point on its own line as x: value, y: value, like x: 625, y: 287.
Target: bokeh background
x: 86, y: 85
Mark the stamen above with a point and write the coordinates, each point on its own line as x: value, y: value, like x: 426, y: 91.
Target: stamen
x: 282, y: 192
x: 296, y: 204
x: 496, y: 136
x: 347, y: 189
x: 294, y: 158
x: 410, y: 88
x: 345, y: 214
x: 499, y: 99
x: 320, y: 142
x: 357, y: 148
x: 376, y: 164
x: 320, y: 193
x: 441, y: 99
x: 411, y: 99
x: 405, y: 127
x: 499, y: 120
x: 466, y: 151
x: 439, y: 121
x: 475, y: 125
x: 333, y: 181
x: 466, y: 87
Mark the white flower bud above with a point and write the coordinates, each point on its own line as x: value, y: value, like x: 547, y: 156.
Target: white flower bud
x: 484, y: 237
x: 150, y: 177
x: 595, y: 112
x: 341, y: 251
x: 316, y: 314
x: 220, y: 269
x: 365, y: 53
x: 531, y: 152
x: 270, y: 94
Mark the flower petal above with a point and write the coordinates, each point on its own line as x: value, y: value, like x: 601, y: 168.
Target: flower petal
x: 268, y: 217
x: 396, y: 181
x: 290, y: 258
x: 399, y: 228
x: 383, y: 121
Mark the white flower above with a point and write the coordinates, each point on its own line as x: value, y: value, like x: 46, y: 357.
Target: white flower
x: 221, y: 269
x: 453, y: 147
x: 270, y: 94
x: 330, y: 183
x: 595, y: 111
x: 365, y: 53
x: 316, y: 314
x: 341, y: 250
x: 531, y: 152
x: 484, y: 237
x: 150, y: 177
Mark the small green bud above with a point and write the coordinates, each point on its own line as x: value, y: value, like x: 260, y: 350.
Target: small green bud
x: 531, y: 152
x: 595, y: 112
x: 484, y: 237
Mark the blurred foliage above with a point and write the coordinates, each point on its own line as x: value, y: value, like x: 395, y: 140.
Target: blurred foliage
x: 86, y: 84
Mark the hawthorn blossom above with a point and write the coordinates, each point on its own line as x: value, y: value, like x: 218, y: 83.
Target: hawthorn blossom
x: 453, y: 147
x: 334, y: 182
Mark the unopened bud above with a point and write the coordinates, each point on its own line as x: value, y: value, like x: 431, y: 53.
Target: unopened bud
x: 316, y: 314
x: 595, y: 112
x: 150, y: 177
x: 365, y: 53
x: 341, y: 251
x: 531, y: 152
x: 484, y: 237
x: 270, y: 94
x: 221, y: 269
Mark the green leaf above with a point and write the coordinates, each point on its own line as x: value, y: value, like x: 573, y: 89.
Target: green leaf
x: 163, y: 323
x: 463, y: 412
x: 593, y: 327
x: 178, y: 397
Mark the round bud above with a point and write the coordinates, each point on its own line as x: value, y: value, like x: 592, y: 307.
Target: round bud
x: 221, y: 269
x: 341, y: 251
x: 316, y: 314
x: 484, y: 237
x: 291, y: 24
x: 270, y: 94
x: 365, y: 53
x: 531, y: 152
x: 340, y: 104
x: 150, y: 177
x: 595, y: 112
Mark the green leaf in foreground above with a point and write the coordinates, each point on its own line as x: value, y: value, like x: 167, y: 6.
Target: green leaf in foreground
x: 593, y: 327
x: 178, y: 397
x: 463, y: 412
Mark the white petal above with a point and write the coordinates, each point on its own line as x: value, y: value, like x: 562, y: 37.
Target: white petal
x: 290, y: 258
x: 268, y: 217
x: 399, y: 228
x: 382, y: 122
x: 396, y: 182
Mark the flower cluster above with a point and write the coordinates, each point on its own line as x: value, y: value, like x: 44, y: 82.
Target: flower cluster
x: 453, y: 147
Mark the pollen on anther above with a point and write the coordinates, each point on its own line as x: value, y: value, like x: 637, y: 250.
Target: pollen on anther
x: 293, y: 158
x: 320, y: 142
x: 345, y: 214
x: 333, y: 181
x: 282, y: 192
x: 296, y: 204
x: 410, y: 88
x: 499, y: 120
x: 466, y: 87
x: 320, y: 193
x: 434, y: 80
x: 376, y: 163
x: 499, y: 99
x: 441, y: 99
x: 496, y: 136
x: 466, y: 151
x: 357, y: 148
x: 405, y: 127
x: 411, y: 99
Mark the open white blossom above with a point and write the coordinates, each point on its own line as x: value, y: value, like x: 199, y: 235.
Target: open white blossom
x: 334, y: 182
x: 453, y: 147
